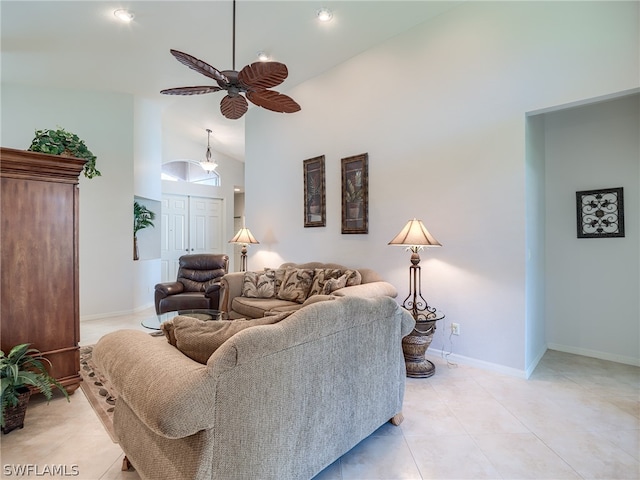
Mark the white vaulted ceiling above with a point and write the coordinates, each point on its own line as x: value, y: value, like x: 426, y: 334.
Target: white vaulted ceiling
x: 80, y: 44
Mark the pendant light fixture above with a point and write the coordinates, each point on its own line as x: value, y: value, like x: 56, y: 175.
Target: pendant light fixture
x: 208, y: 165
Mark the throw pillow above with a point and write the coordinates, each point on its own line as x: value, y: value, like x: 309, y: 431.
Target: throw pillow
x: 334, y: 284
x: 277, y: 274
x: 353, y: 277
x: 320, y: 278
x: 198, y: 339
x: 167, y: 329
x: 258, y: 285
x: 296, y: 284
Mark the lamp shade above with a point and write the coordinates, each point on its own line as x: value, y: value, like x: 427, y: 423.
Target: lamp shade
x: 208, y: 166
x: 244, y: 236
x: 415, y: 234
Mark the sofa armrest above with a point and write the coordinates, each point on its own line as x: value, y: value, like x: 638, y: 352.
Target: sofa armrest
x: 212, y: 289
x: 368, y: 290
x: 172, y: 395
x: 230, y: 288
x: 169, y: 288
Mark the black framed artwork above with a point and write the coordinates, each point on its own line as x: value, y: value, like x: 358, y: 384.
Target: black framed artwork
x: 600, y: 213
x: 314, y: 192
x: 355, y: 194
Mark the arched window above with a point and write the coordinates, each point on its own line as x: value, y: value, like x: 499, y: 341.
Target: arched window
x: 189, y: 171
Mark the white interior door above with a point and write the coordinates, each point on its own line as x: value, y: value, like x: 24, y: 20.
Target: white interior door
x: 189, y: 225
x: 205, y: 225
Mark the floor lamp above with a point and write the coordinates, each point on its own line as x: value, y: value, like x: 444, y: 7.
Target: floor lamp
x: 243, y: 237
x: 415, y: 237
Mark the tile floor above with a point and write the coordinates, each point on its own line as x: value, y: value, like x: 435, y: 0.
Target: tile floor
x: 576, y: 417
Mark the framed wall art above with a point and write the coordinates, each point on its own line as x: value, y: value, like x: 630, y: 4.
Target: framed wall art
x: 600, y: 213
x: 355, y: 194
x: 314, y: 192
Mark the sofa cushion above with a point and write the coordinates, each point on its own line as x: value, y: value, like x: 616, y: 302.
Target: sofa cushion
x: 258, y: 285
x: 367, y: 290
x: 296, y: 284
x: 317, y: 298
x: 198, y: 339
x: 257, y: 307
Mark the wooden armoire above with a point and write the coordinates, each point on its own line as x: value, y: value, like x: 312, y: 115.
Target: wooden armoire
x: 39, y: 258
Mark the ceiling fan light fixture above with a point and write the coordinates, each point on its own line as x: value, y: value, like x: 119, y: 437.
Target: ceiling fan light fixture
x: 208, y: 165
x: 263, y: 56
x: 123, y: 15
x: 324, y: 14
x: 253, y: 82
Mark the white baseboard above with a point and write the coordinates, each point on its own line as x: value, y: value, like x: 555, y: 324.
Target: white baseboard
x: 585, y: 352
x: 97, y: 316
x: 494, y: 367
x: 532, y: 366
x: 473, y: 362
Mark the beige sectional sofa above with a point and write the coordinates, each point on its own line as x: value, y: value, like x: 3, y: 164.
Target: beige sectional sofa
x: 240, y: 299
x: 278, y: 401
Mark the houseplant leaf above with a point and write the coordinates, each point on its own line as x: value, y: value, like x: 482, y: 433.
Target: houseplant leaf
x: 61, y: 142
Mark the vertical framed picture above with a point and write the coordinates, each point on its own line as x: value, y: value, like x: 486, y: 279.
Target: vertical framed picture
x: 355, y: 194
x: 314, y: 192
x: 600, y: 213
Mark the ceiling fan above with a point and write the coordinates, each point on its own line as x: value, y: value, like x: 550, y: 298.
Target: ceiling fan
x: 253, y: 81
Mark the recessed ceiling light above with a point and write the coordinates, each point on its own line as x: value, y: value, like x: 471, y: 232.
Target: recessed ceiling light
x: 324, y: 14
x: 123, y: 15
x: 262, y: 56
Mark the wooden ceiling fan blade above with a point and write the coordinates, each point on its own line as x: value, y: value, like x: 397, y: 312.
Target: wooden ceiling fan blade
x: 274, y: 101
x: 190, y: 90
x: 233, y: 107
x: 199, y: 66
x: 261, y: 75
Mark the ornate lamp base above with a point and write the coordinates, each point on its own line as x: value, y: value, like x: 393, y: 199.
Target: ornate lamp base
x: 414, y: 347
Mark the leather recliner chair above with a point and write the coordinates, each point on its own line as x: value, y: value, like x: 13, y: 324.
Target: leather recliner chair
x: 197, y: 285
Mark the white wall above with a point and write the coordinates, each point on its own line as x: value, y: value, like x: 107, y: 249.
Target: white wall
x: 536, y: 342
x: 147, y: 185
x: 441, y: 112
x: 126, y: 134
x: 105, y: 122
x: 592, y: 285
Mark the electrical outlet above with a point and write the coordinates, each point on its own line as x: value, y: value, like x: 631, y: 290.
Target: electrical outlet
x: 455, y: 328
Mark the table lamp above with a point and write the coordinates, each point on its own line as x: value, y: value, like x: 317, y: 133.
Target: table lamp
x: 244, y: 237
x: 415, y: 237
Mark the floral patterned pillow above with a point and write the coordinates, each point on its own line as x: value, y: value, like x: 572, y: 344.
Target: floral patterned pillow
x: 320, y: 278
x: 277, y: 274
x: 296, y: 284
x: 353, y: 277
x: 334, y: 284
x: 258, y: 285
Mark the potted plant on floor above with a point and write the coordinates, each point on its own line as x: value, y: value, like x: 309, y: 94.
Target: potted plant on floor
x: 21, y: 369
x: 61, y: 142
x: 142, y: 218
